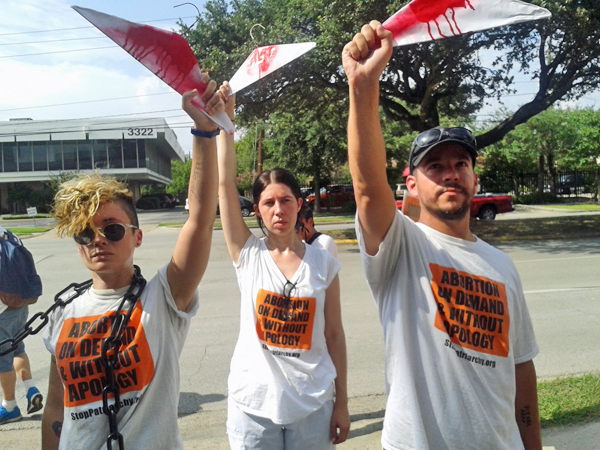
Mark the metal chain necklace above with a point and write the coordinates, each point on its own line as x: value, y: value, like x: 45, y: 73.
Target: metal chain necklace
x: 110, y: 357
x: 110, y: 346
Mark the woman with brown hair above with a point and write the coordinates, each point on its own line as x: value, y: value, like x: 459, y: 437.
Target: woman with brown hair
x: 287, y: 385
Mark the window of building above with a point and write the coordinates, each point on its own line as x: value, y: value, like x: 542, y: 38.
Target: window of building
x: 100, y: 154
x: 55, y: 159
x: 115, y: 155
x: 25, y: 157
x: 84, y: 148
x: 40, y: 157
x: 141, y: 153
x: 70, y: 155
x: 129, y: 153
x: 9, y: 156
x: 164, y: 165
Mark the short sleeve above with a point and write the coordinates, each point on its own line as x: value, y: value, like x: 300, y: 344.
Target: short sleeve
x: 381, y: 266
x: 248, y: 250
x: 173, y: 310
x: 333, y: 267
x: 525, y: 346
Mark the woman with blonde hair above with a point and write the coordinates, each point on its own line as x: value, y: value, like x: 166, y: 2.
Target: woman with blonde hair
x: 115, y: 345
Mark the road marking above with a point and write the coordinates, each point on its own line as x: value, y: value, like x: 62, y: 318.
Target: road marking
x: 516, y: 261
x: 545, y: 291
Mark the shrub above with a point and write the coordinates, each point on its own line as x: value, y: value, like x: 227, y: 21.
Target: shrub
x: 534, y: 198
x: 349, y: 207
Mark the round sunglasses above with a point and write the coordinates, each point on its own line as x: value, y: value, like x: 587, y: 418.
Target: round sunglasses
x: 113, y: 232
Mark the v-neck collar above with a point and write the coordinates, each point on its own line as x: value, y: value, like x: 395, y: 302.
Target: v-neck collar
x: 275, y: 268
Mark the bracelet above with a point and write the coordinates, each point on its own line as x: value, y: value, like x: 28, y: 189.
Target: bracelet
x: 205, y: 134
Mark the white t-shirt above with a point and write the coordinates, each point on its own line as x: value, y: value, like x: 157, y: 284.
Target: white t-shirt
x: 281, y: 369
x: 455, y: 323
x: 148, y: 377
x: 326, y: 242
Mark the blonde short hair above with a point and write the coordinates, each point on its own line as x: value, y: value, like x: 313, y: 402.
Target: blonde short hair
x: 78, y: 200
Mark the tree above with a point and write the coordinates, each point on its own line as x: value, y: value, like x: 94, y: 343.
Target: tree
x: 180, y: 177
x: 423, y: 83
x: 314, y: 143
x: 553, y: 140
x: 565, y: 58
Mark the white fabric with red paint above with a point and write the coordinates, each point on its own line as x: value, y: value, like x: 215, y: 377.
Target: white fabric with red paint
x: 264, y: 61
x: 166, y: 54
x: 426, y: 20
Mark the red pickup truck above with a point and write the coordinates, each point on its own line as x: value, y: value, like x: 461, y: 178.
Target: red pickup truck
x: 485, y: 206
x: 334, y: 195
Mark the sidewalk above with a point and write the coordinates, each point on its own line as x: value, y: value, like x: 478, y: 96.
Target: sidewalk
x: 205, y: 430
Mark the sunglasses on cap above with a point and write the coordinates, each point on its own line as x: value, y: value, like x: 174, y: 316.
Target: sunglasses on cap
x: 435, y: 135
x: 113, y: 232
x: 430, y: 138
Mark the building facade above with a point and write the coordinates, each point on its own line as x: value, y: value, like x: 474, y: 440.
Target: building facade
x: 33, y: 153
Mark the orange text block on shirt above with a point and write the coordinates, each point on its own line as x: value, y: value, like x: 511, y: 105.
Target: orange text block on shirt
x: 78, y: 357
x: 472, y: 309
x: 273, y: 330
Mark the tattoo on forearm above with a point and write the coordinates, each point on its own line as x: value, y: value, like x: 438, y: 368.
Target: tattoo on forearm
x: 195, y: 180
x: 57, y: 428
x: 526, y: 416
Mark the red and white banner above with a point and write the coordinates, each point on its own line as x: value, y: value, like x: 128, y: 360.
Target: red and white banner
x: 265, y: 60
x: 167, y: 55
x: 428, y: 20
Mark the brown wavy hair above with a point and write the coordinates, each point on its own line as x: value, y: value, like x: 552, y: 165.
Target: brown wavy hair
x: 78, y: 200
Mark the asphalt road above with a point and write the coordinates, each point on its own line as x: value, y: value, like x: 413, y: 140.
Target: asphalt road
x: 560, y: 279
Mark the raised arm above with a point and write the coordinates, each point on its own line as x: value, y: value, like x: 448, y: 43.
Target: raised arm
x: 192, y: 249
x: 234, y: 228
x: 364, y: 59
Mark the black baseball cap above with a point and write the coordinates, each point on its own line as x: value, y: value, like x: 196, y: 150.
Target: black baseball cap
x: 433, y: 137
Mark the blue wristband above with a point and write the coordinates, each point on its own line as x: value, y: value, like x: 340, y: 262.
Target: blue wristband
x: 205, y: 134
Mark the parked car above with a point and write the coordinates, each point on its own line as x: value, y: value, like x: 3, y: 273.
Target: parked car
x: 154, y: 201
x: 306, y: 191
x: 400, y: 188
x: 246, y: 205
x: 174, y: 200
x: 335, y: 195
x: 485, y: 206
x: 568, y: 184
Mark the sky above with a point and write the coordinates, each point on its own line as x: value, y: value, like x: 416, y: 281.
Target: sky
x: 55, y: 65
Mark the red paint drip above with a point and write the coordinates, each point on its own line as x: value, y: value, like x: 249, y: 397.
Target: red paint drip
x: 261, y: 59
x: 166, y: 54
x: 426, y: 11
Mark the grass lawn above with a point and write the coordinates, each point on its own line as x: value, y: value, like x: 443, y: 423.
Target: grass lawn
x: 251, y: 221
x: 502, y: 230
x: 24, y: 216
x: 567, y: 401
x: 27, y: 231
x: 574, y: 207
x: 543, y: 228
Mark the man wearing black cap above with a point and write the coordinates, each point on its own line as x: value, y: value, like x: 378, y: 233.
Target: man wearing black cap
x: 459, y: 341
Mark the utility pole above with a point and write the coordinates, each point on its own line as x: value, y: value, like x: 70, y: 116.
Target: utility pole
x: 259, y: 163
